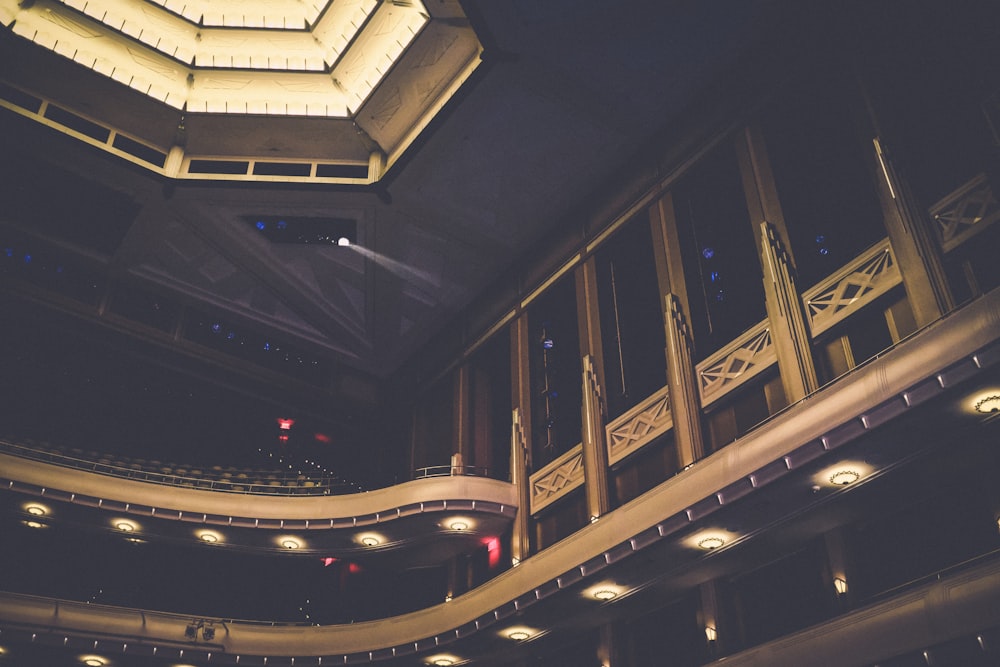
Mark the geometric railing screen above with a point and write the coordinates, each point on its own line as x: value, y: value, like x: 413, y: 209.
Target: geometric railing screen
x: 857, y: 284
x: 966, y: 211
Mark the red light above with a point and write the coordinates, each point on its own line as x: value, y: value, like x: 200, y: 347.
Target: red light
x: 322, y: 437
x: 328, y: 561
x: 285, y: 424
x: 493, y: 550
x: 283, y: 437
x: 354, y: 568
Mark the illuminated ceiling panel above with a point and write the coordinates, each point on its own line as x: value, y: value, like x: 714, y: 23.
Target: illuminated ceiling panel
x: 260, y: 58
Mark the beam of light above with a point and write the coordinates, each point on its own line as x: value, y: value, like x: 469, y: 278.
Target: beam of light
x: 404, y: 271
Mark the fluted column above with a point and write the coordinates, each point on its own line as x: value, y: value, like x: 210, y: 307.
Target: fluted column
x: 786, y: 318
x: 682, y: 383
x: 595, y: 452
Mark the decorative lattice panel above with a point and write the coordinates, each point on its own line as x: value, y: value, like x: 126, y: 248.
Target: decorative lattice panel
x: 733, y: 365
x: 968, y: 210
x: 557, y: 479
x: 856, y: 285
x: 639, y: 426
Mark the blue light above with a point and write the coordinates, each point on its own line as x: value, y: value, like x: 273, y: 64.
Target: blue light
x: 820, y: 238
x: 9, y: 252
x: 231, y: 335
x: 824, y: 251
x: 714, y: 276
x: 27, y: 259
x: 708, y: 253
x: 261, y: 225
x: 216, y: 327
x: 719, y: 296
x: 267, y: 346
x: 59, y: 269
x: 282, y: 224
x: 548, y: 344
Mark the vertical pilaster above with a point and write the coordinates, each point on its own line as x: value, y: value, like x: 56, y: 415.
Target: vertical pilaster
x: 916, y: 250
x: 682, y: 383
x: 520, y: 468
x: 595, y: 452
x: 786, y: 317
x: 462, y: 453
x: 715, y: 631
x: 609, y: 651
x: 520, y: 457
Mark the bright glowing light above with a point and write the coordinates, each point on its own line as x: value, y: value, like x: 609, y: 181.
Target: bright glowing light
x: 519, y: 633
x: 285, y: 424
x: 208, y: 536
x: 344, y: 241
x: 987, y: 404
x: 711, y: 542
x: 34, y: 524
x: 323, y: 437
x: 93, y: 660
x: 289, y: 543
x: 125, y: 526
x: 442, y: 660
x: 34, y: 509
x: 328, y: 561
x: 605, y: 594
x: 844, y: 477
x: 369, y: 540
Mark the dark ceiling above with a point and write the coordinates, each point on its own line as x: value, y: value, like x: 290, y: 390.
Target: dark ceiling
x: 568, y: 94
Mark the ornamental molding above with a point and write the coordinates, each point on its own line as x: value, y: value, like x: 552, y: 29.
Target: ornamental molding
x: 557, y: 479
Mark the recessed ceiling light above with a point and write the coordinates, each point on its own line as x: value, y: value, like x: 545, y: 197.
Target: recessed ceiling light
x: 605, y: 594
x: 93, y: 660
x: 125, y: 526
x: 987, y: 404
x: 209, y: 537
x: 459, y: 525
x: 844, y: 477
x: 36, y: 510
x: 711, y: 542
x: 289, y: 544
x: 369, y: 540
x: 442, y: 660
x: 518, y: 635
x: 34, y: 524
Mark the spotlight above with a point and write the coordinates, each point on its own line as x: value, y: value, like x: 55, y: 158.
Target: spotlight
x: 191, y: 631
x: 344, y: 241
x: 208, y: 633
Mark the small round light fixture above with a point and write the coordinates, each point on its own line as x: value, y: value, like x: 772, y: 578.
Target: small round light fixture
x: 125, y: 526
x: 344, y: 241
x: 369, y: 540
x: 289, y: 543
x: 518, y: 635
x: 459, y: 525
x: 34, y: 524
x: 93, y: 661
x: 208, y: 537
x: 605, y: 594
x: 844, y: 477
x: 34, y: 509
x: 711, y: 542
x: 443, y: 661
x: 987, y: 404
